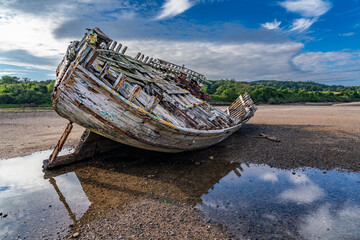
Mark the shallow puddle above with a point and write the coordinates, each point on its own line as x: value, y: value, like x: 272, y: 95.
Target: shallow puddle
x: 253, y: 201
x: 260, y: 202
x: 33, y: 207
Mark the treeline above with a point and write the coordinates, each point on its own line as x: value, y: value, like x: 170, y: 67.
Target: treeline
x: 271, y: 91
x: 14, y: 90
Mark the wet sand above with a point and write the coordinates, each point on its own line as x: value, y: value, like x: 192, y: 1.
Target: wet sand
x: 148, y: 195
x: 22, y: 133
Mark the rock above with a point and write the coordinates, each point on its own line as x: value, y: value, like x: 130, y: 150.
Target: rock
x: 75, y: 235
x: 211, y: 157
x: 197, y: 163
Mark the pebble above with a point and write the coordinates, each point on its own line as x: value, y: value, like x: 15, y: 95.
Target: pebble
x: 75, y: 235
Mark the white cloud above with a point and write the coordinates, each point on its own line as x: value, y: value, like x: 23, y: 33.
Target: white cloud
x: 242, y: 61
x: 172, y: 8
x: 31, y: 34
x: 302, y: 24
x: 303, y: 194
x: 349, y: 34
x: 2, y: 73
x: 9, y: 61
x: 30, y: 25
x: 325, y: 62
x: 331, y: 223
x: 11, y: 71
x: 272, y: 25
x: 271, y: 177
x: 307, y: 8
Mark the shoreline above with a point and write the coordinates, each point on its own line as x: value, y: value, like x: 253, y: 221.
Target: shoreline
x: 304, y: 131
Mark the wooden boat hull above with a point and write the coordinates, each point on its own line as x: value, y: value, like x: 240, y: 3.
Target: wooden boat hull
x: 86, y: 100
x: 142, y: 102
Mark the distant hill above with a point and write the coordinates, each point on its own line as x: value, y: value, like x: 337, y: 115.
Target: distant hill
x: 308, y: 86
x: 272, y: 91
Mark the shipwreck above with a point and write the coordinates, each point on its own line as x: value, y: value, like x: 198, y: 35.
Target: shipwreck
x: 139, y: 101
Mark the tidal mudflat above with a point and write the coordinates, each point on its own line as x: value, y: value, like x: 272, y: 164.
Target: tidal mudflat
x: 306, y: 186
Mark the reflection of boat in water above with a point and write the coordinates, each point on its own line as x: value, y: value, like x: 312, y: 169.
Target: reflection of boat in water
x: 142, y: 102
x: 110, y: 184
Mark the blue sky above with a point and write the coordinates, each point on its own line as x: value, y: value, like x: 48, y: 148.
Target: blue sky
x: 299, y: 40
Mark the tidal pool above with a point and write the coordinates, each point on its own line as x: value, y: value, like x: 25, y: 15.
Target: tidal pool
x: 37, y: 207
x: 252, y: 201
x: 260, y: 202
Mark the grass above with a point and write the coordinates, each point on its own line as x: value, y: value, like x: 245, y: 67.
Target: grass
x: 21, y: 108
x: 24, y: 105
x: 10, y: 105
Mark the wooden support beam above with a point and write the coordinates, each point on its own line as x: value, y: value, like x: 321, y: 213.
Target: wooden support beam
x: 60, y: 143
x: 90, y: 145
x: 119, y: 81
x: 104, y: 70
x: 134, y: 92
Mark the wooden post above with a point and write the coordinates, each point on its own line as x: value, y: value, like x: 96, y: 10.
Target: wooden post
x: 61, y: 142
x: 137, y: 55
x: 104, y: 70
x: 118, y: 47
x: 124, y: 50
x: 112, y: 46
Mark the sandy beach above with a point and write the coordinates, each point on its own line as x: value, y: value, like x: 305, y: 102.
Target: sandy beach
x: 318, y: 136
x: 23, y: 133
